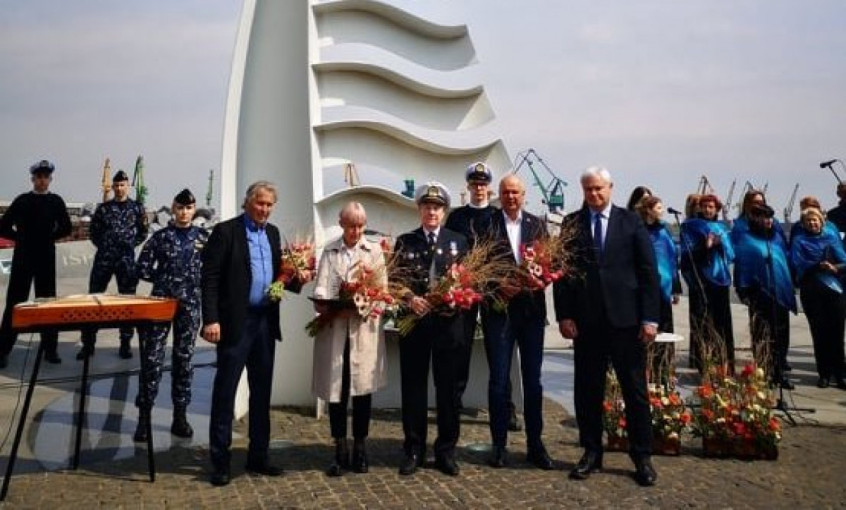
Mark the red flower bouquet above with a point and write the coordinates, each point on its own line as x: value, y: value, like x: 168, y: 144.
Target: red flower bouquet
x: 297, y: 259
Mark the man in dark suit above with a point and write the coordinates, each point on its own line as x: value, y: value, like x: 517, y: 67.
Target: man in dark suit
x: 240, y: 260
x: 423, y: 256
x: 474, y: 221
x: 609, y: 305
x: 521, y: 323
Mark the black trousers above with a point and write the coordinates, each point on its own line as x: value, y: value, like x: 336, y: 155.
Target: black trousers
x: 826, y: 313
x: 254, y: 349
x: 770, y: 327
x: 27, y: 268
x: 592, y: 349
x: 361, y: 405
x: 440, y: 341
x: 711, y: 331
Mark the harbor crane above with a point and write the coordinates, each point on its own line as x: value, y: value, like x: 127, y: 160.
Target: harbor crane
x: 209, y: 192
x: 788, y: 210
x: 704, y: 187
x: 107, y: 179
x: 553, y: 190
x: 729, y: 197
x: 138, y: 180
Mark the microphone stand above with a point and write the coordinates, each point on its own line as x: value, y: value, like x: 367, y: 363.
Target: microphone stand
x: 700, y: 290
x: 779, y: 372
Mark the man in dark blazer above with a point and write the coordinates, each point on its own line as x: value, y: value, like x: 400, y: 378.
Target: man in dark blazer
x: 521, y: 323
x: 609, y: 305
x: 423, y: 256
x: 240, y: 260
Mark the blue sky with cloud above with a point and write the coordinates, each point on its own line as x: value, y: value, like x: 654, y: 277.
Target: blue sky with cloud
x: 659, y: 91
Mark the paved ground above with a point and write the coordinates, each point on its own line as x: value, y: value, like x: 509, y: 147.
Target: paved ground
x: 808, y: 474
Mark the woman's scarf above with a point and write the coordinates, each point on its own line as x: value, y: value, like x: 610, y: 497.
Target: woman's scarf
x: 808, y: 250
x: 666, y: 258
x: 694, y: 232
x: 757, y: 258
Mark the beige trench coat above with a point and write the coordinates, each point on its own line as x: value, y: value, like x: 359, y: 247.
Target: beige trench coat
x: 367, y: 346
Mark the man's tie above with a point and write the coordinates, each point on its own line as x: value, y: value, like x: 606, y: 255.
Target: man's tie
x: 432, y: 272
x: 597, y: 235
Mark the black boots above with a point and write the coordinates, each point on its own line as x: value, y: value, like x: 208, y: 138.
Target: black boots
x: 180, y: 426
x: 341, y: 462
x: 359, y: 457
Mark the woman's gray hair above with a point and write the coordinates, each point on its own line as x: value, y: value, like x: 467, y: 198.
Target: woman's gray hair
x: 353, y: 211
x: 596, y: 171
x: 258, y: 186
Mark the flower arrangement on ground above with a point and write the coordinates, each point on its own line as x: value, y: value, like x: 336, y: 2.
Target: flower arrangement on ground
x: 362, y: 292
x: 734, y: 414
x: 670, y: 416
x: 297, y: 259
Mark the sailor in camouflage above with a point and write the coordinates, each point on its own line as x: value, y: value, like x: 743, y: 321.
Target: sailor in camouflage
x: 171, y: 261
x: 117, y: 227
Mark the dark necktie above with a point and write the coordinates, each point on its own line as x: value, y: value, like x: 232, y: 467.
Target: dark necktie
x: 597, y: 234
x: 432, y: 272
x: 432, y: 240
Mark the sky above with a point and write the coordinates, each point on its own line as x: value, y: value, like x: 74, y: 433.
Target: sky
x: 660, y: 92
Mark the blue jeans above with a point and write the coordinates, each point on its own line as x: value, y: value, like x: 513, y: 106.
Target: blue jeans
x: 502, y: 332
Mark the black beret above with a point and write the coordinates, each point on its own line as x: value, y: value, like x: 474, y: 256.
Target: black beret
x: 120, y: 176
x: 184, y: 197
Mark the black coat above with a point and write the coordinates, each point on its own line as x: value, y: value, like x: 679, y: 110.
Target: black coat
x: 227, y: 277
x: 415, y: 257
x: 623, y: 287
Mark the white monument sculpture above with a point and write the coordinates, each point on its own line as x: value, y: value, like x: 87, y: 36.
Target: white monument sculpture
x: 317, y: 86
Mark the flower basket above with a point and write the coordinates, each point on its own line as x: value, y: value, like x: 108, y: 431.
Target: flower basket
x: 663, y: 445
x: 734, y: 416
x: 617, y: 444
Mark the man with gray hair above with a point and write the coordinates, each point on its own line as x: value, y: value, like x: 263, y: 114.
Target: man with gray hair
x: 240, y: 261
x: 609, y: 306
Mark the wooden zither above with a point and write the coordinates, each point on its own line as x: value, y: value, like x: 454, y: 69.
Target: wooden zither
x: 100, y: 310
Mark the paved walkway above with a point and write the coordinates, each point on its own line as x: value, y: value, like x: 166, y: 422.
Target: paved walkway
x: 808, y: 474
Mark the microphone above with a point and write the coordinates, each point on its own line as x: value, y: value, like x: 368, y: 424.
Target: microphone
x: 828, y: 163
x: 672, y: 211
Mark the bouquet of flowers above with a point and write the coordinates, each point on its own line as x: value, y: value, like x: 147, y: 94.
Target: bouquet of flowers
x: 455, y: 291
x: 297, y: 258
x: 735, y: 414
x: 542, y: 262
x: 364, y: 292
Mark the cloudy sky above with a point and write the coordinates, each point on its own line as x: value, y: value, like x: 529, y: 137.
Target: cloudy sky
x: 660, y: 92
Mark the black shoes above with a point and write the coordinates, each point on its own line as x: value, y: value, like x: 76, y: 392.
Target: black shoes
x: 823, y: 382
x: 263, y: 467
x: 446, y: 465
x: 220, y: 477
x: 359, y: 457
x: 591, y: 462
x: 410, y: 463
x: 499, y: 457
x: 4, y: 361
x: 645, y: 474
x: 180, y: 426
x: 341, y: 462
x: 125, y: 351
x: 840, y: 383
x: 52, y: 357
x: 538, y: 456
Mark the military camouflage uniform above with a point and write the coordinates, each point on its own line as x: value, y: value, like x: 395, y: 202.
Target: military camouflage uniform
x: 171, y: 260
x: 116, y: 229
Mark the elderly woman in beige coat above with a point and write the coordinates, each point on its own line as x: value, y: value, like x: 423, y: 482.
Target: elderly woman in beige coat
x: 349, y: 351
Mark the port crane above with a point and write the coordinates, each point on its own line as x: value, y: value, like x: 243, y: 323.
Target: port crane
x: 553, y: 190
x: 788, y: 209
x: 138, y: 180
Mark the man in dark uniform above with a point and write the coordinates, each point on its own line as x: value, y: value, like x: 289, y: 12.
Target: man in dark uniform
x: 240, y: 261
x: 423, y: 257
x: 35, y: 221
x: 117, y: 227
x: 474, y: 221
x: 609, y: 304
x: 171, y: 261
x: 521, y: 324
